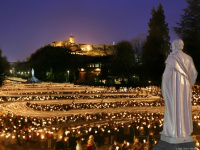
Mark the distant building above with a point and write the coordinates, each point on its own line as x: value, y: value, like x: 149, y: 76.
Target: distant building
x: 85, y: 49
x: 90, y: 73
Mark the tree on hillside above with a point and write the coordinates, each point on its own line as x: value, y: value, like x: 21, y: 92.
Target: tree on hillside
x: 124, y: 59
x: 137, y: 44
x: 4, y: 67
x: 50, y: 63
x: 189, y: 30
x: 53, y: 63
x: 157, y: 46
x: 22, y: 67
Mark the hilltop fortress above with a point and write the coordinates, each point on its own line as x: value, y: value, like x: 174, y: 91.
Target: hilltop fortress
x: 85, y: 49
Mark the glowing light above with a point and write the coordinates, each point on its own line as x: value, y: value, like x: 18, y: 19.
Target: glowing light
x: 197, y: 143
x: 42, y: 136
x: 67, y: 132
x: 89, y: 47
x: 66, y: 138
x: 97, y: 69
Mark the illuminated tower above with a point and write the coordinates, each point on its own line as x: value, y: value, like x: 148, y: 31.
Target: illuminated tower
x: 71, y: 40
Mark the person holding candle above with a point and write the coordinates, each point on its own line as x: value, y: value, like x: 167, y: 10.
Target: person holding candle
x: 115, y: 146
x: 78, y: 146
x: 91, y: 144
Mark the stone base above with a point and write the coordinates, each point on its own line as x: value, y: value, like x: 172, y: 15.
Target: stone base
x: 33, y: 80
x: 176, y: 140
x: 162, y: 145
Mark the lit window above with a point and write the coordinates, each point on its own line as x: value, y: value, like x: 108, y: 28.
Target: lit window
x: 96, y: 65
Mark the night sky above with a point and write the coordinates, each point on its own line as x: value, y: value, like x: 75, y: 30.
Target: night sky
x: 27, y: 25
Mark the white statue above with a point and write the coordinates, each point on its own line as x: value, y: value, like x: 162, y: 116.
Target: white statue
x: 179, y: 76
x: 32, y: 72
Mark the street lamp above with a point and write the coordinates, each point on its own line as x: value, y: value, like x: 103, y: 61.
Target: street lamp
x: 68, y: 74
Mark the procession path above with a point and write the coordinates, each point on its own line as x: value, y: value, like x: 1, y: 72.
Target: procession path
x: 20, y: 108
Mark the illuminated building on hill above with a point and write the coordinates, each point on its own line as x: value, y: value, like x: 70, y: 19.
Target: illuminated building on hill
x: 85, y: 49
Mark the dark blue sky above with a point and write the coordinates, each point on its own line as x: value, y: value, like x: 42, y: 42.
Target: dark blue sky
x: 26, y: 25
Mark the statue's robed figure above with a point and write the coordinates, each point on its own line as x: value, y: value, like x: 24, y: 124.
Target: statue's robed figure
x: 179, y: 76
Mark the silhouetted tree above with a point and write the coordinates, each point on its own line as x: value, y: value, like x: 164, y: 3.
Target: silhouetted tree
x: 137, y: 44
x: 123, y: 60
x: 22, y: 67
x: 189, y: 30
x: 50, y: 61
x: 4, y: 67
x: 157, y: 46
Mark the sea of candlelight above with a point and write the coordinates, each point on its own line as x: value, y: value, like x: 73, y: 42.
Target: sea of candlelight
x: 64, y: 112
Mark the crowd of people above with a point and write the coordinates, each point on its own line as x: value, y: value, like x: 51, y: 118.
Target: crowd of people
x: 61, y: 97
x: 101, y: 105
x: 85, y: 89
x: 113, y: 126
x: 104, y: 105
x: 30, y: 129
x: 120, y: 130
x: 133, y: 93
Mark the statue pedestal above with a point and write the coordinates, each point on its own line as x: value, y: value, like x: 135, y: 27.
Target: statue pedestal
x: 33, y: 80
x: 167, y: 143
x: 176, y: 140
x: 161, y: 145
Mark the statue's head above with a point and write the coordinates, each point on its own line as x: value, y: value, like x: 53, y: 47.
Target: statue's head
x: 177, y: 45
